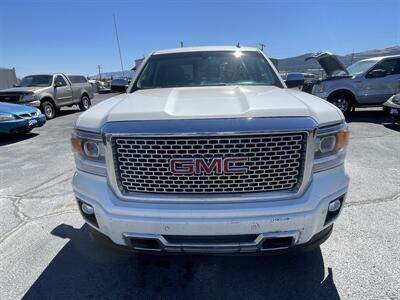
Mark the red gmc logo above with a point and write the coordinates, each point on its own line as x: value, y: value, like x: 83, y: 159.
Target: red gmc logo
x: 198, y: 165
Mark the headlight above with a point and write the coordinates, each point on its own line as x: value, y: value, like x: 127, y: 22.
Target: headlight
x: 89, y: 152
x: 27, y: 98
x: 319, y: 88
x: 396, y: 99
x: 6, y: 117
x: 330, y: 147
x: 38, y: 112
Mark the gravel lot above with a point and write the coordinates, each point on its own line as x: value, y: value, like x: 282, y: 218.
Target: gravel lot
x: 47, y: 252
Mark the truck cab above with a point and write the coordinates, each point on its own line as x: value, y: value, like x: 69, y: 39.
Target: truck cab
x: 50, y: 92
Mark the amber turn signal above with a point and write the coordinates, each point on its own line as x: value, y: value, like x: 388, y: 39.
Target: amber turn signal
x: 76, y: 143
x: 342, y: 138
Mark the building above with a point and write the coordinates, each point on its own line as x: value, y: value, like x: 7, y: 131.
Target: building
x: 8, y: 78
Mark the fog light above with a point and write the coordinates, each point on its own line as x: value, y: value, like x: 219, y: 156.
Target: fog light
x: 334, y: 208
x: 334, y: 205
x: 87, y: 212
x: 87, y: 209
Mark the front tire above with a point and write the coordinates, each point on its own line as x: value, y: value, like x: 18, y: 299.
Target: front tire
x: 85, y: 103
x: 48, y: 109
x: 343, y: 102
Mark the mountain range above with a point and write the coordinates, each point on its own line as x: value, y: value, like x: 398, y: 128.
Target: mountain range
x: 299, y: 64
x: 296, y: 63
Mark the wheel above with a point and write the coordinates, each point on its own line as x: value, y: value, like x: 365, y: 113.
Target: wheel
x: 85, y: 103
x: 343, y: 102
x: 48, y: 109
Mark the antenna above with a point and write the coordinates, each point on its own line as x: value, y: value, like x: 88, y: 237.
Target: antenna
x: 262, y: 46
x: 119, y: 48
x: 98, y: 66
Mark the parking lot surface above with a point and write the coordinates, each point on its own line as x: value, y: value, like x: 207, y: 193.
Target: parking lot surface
x: 46, y: 252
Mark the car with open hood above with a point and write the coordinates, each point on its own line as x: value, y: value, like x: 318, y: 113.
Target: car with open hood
x: 367, y: 82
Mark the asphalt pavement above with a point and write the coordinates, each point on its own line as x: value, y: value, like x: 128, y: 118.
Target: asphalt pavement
x: 46, y: 251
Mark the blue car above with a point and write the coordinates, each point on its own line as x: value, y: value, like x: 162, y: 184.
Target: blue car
x: 16, y: 118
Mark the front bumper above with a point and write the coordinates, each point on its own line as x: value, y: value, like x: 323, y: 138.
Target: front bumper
x: 22, y: 125
x: 392, y: 109
x: 301, y: 218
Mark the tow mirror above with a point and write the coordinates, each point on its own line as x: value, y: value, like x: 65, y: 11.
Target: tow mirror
x: 376, y: 73
x: 294, y: 80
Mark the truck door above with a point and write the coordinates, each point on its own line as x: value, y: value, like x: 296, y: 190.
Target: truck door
x: 62, y: 91
x: 381, y: 82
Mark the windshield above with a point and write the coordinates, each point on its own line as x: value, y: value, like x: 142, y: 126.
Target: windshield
x: 361, y: 66
x: 36, y: 80
x: 209, y: 68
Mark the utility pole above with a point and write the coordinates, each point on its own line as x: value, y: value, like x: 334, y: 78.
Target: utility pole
x: 262, y: 46
x: 119, y: 48
x: 181, y: 44
x: 98, y: 66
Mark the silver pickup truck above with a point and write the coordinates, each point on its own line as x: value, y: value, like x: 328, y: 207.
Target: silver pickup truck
x: 368, y: 82
x: 50, y: 92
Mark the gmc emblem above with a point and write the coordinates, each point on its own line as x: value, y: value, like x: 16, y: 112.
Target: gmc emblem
x: 198, y: 165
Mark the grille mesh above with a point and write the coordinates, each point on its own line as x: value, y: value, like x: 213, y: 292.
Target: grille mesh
x: 274, y: 163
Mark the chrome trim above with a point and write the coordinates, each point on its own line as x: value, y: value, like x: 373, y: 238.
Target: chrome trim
x: 329, y: 162
x: 253, y: 246
x: 206, y: 127
x: 195, y: 127
x: 331, y: 129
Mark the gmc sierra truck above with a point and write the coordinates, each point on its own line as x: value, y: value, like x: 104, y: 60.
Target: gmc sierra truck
x: 209, y: 151
x: 50, y: 92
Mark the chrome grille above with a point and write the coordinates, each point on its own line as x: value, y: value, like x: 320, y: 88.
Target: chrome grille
x: 274, y: 163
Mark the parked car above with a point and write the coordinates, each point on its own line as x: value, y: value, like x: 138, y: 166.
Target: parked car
x: 119, y: 85
x: 368, y: 82
x: 50, y: 92
x: 15, y: 118
x: 392, y: 107
x: 210, y: 151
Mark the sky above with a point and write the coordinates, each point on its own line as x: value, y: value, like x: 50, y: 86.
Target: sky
x: 77, y: 35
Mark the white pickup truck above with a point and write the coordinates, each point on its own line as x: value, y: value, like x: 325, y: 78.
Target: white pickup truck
x: 209, y: 151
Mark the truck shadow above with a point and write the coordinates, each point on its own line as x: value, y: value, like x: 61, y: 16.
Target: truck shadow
x: 369, y: 116
x: 7, y: 139
x: 89, y: 268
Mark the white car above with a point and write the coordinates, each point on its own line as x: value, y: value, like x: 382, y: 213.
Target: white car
x: 208, y: 151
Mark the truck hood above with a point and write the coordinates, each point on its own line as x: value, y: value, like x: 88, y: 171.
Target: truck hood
x: 329, y: 62
x: 22, y: 89
x: 209, y: 103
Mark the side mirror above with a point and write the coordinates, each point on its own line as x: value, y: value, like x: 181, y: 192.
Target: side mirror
x: 294, y: 80
x: 376, y: 73
x: 58, y: 84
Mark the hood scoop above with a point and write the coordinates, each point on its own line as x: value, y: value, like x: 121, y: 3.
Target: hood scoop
x: 221, y: 101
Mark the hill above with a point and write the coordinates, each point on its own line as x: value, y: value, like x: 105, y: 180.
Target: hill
x: 298, y: 63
